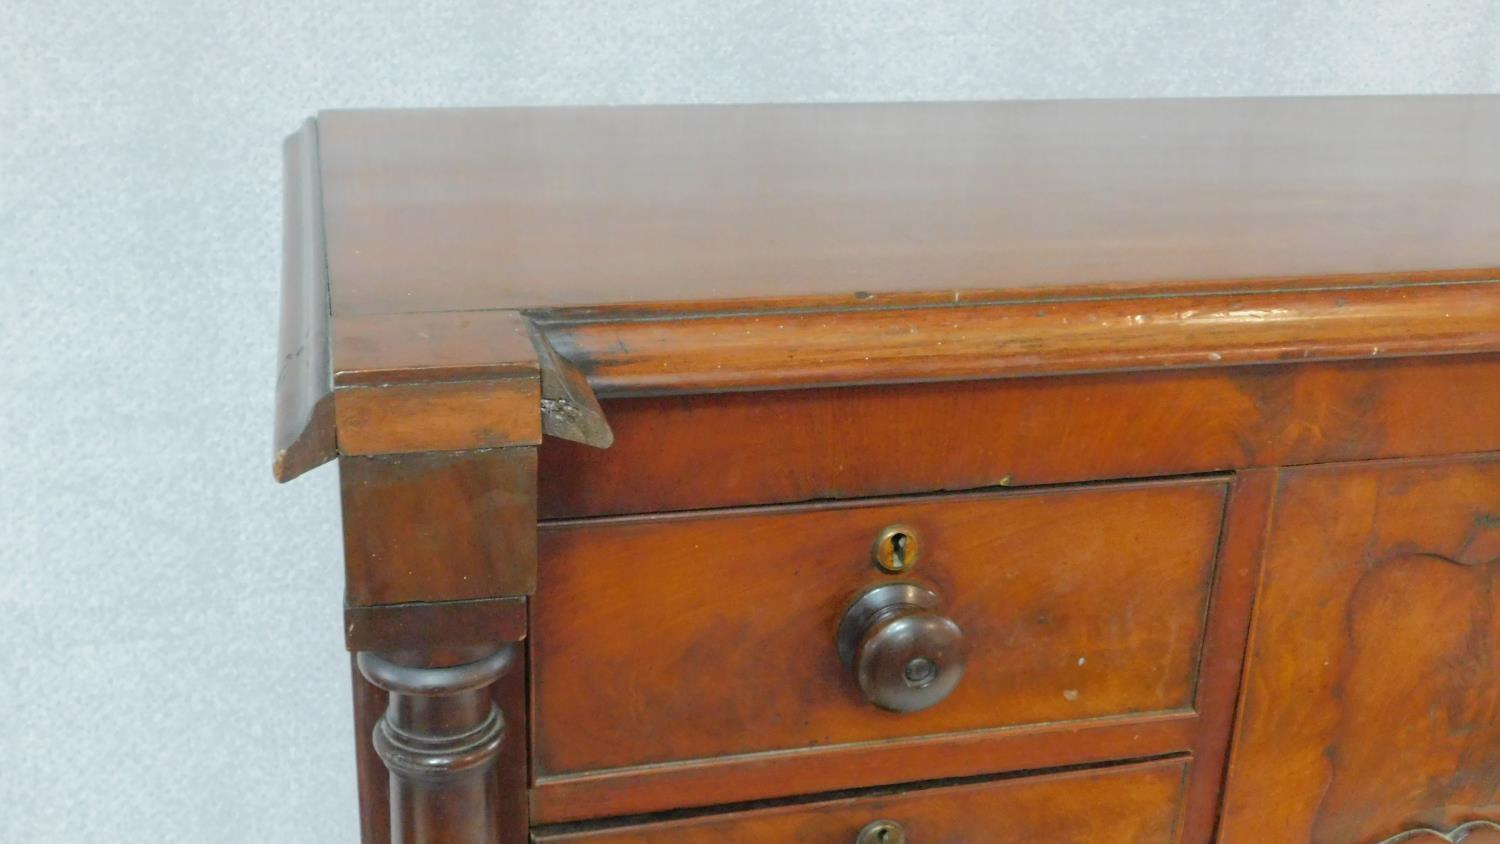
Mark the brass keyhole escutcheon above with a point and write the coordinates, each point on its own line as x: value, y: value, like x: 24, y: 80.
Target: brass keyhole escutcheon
x: 882, y: 832
x: 896, y: 549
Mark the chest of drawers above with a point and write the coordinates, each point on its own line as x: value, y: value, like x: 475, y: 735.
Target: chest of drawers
x: 969, y: 472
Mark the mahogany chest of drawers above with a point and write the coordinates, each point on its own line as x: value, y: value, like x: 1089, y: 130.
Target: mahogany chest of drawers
x: 927, y: 473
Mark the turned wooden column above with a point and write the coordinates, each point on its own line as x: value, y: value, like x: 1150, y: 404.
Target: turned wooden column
x: 441, y: 554
x: 439, y: 738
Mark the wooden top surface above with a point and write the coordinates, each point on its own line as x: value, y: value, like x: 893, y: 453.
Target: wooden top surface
x: 450, y: 271
x: 850, y: 205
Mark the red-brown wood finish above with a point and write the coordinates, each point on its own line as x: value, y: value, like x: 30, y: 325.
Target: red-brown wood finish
x: 761, y: 350
x: 682, y: 453
x: 448, y: 210
x: 304, y: 432
x: 734, y: 779
x: 1137, y: 804
x: 509, y: 814
x: 1240, y: 552
x: 668, y: 640
x: 439, y: 527
x: 800, y: 318
x: 1372, y: 706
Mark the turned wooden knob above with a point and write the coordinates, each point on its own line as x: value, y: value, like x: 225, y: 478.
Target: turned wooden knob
x: 904, y: 655
x: 881, y: 832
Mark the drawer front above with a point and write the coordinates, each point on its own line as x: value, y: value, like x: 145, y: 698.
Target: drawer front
x: 1372, y: 705
x: 665, y: 639
x: 1134, y: 804
x: 736, y: 449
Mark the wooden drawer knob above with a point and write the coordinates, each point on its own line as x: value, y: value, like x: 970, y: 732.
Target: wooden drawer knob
x: 904, y: 655
x: 881, y: 832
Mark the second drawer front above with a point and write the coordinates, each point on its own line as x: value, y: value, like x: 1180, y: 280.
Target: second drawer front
x: 1136, y: 804
x: 678, y: 638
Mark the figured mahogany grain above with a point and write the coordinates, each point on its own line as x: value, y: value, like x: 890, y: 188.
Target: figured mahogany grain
x: 1024, y: 294
x: 689, y: 452
x: 662, y: 640
x: 1371, y: 703
x: 1133, y: 804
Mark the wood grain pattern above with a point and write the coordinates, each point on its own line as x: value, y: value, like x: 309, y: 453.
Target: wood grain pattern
x: 860, y: 244
x: 372, y: 780
x: 764, y: 349
x: 1371, y: 706
x: 799, y: 310
x: 304, y: 433
x: 735, y: 779
x: 674, y: 639
x: 434, y: 625
x: 452, y: 416
x: 1134, y: 804
x: 439, y: 527
x: 678, y: 453
x: 1238, y: 571
x: 440, y: 738
x: 511, y: 769
x: 425, y: 347
x: 832, y: 204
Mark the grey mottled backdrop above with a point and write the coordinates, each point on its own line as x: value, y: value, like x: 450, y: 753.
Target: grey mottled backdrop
x: 170, y: 654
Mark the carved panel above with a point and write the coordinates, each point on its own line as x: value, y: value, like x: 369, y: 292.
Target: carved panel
x: 1371, y: 704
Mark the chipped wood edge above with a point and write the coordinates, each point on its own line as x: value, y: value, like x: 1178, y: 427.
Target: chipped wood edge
x: 569, y: 408
x: 305, y: 435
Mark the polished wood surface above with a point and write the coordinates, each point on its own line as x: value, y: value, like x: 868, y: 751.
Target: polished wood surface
x: 433, y: 347
x: 510, y: 815
x: 1238, y: 569
x: 848, y: 443
x: 1371, y: 704
x: 440, y: 737
x: 768, y: 349
x: 439, y: 527
x: 443, y: 624
x: 304, y: 432
x: 675, y: 639
x: 1136, y: 804
x: 710, y: 354
x: 685, y: 250
x: 414, y: 418
x: 735, y: 779
x: 563, y: 207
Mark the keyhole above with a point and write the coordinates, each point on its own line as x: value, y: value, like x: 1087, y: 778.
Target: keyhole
x: 898, y: 559
x: 882, y: 832
x: 896, y: 549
